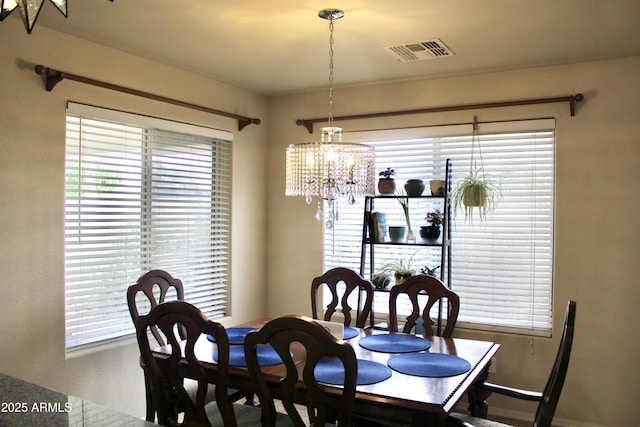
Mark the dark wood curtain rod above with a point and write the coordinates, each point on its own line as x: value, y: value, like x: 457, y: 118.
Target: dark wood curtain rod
x: 53, y: 77
x: 571, y: 99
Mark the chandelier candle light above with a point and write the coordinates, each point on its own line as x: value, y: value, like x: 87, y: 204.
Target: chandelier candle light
x: 330, y: 168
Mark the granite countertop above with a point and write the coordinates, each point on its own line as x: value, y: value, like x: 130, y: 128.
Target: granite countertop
x: 25, y: 404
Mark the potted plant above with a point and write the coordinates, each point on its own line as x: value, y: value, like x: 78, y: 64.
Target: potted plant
x: 401, y: 268
x: 435, y: 220
x: 380, y: 280
x: 386, y: 184
x: 429, y: 271
x: 477, y: 189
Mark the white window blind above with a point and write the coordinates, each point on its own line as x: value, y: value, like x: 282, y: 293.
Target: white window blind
x: 502, y: 269
x: 141, y: 193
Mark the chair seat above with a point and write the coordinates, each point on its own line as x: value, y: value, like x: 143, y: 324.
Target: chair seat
x: 469, y: 421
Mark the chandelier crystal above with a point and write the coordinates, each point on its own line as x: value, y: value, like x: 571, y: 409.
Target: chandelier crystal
x: 330, y: 169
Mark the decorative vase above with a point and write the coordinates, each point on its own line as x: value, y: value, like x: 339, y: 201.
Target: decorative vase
x: 437, y: 187
x: 386, y: 186
x: 430, y: 232
x: 414, y: 187
x: 396, y: 233
x: 410, y: 236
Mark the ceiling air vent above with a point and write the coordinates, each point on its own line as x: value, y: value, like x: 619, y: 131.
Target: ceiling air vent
x: 419, y: 51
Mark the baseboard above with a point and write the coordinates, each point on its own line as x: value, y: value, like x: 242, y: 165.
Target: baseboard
x: 526, y: 417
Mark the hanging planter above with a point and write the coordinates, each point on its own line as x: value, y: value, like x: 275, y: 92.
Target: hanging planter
x: 477, y: 189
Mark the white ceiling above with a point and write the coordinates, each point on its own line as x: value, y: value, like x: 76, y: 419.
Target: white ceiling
x: 273, y: 47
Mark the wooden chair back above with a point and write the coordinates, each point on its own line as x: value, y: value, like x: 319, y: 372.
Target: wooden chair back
x: 167, y: 372
x: 435, y: 291
x: 553, y: 388
x: 281, y: 334
x: 352, y: 282
x: 153, y: 288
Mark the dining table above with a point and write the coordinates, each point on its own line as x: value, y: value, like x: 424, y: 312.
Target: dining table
x: 415, y: 380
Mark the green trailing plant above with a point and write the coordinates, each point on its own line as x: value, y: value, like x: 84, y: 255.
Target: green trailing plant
x: 400, y: 266
x: 477, y: 189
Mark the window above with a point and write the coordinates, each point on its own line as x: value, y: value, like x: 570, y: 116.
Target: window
x: 141, y: 193
x: 501, y: 269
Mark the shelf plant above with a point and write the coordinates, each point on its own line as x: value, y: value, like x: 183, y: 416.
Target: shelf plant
x: 435, y: 220
x: 380, y: 280
x: 401, y: 268
x: 429, y: 271
x: 386, y: 183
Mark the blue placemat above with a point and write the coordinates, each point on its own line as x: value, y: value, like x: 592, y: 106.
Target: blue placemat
x: 429, y: 364
x: 349, y: 333
x: 266, y: 356
x: 394, y: 343
x: 236, y: 335
x: 331, y: 371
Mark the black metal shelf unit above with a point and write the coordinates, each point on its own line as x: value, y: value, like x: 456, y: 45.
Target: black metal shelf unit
x: 442, y: 244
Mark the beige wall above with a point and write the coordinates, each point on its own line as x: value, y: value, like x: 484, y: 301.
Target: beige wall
x: 596, y: 251
x: 32, y: 126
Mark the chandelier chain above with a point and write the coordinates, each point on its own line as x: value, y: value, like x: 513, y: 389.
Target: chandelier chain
x: 330, y: 72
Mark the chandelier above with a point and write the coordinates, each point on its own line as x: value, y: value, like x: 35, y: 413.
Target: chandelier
x: 330, y: 169
x: 29, y: 10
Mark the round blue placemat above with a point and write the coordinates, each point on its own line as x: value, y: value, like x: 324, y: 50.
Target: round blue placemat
x: 394, y: 343
x: 349, y: 333
x: 236, y: 335
x: 331, y: 371
x: 266, y: 356
x: 429, y: 364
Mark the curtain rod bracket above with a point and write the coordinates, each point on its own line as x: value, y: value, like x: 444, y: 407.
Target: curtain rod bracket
x: 308, y: 124
x: 53, y: 77
x: 571, y: 99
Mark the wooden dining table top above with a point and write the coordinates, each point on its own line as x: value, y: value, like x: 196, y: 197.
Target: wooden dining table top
x: 408, y: 398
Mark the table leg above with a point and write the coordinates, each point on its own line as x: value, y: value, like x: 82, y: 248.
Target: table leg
x: 477, y: 395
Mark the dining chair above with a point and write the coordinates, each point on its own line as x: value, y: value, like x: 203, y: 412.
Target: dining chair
x: 435, y: 291
x: 339, y: 303
x: 547, y: 399
x: 318, y: 344
x: 182, y: 324
x: 151, y: 289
